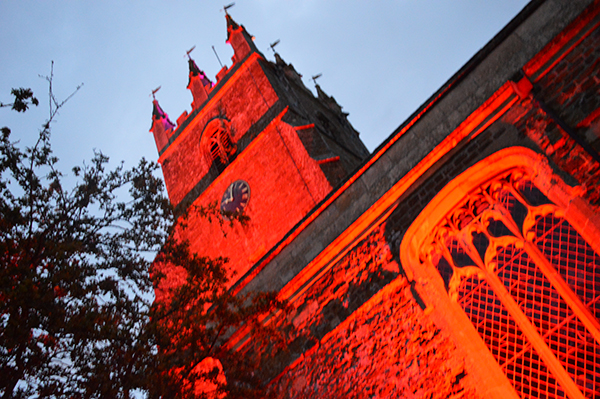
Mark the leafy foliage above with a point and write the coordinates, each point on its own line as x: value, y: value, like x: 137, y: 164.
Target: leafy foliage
x: 74, y: 286
x: 76, y: 312
x: 193, y: 322
x: 23, y: 99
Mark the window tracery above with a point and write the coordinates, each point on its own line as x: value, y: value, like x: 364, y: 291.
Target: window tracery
x: 221, y: 149
x: 529, y: 283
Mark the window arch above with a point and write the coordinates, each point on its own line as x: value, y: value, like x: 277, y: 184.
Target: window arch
x: 219, y: 145
x: 528, y: 281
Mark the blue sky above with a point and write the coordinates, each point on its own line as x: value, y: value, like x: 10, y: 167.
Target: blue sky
x: 380, y: 59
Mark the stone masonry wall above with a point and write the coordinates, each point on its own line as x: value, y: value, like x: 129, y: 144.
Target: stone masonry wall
x: 571, y: 90
x: 360, y: 333
x: 387, y: 349
x: 340, y: 291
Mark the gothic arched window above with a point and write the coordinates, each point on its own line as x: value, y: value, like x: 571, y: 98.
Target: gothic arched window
x: 221, y: 149
x: 528, y: 282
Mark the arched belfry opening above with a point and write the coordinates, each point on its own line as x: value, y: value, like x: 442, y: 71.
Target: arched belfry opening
x: 220, y: 148
x: 503, y: 246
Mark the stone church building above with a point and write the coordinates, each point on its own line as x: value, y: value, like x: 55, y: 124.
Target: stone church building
x: 459, y: 260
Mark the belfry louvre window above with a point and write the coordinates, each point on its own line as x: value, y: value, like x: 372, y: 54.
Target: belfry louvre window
x: 221, y: 148
x: 529, y: 283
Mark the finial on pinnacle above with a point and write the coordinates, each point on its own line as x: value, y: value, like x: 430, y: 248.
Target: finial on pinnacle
x: 195, y: 71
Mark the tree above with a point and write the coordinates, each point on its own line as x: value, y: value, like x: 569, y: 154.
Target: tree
x: 74, y: 284
x: 23, y: 99
x: 193, y: 324
x: 76, y: 313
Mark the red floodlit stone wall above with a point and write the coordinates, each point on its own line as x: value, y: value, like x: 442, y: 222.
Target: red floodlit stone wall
x: 350, y: 283
x: 362, y: 334
x: 285, y: 183
x: 243, y: 100
x: 387, y: 349
x: 360, y: 327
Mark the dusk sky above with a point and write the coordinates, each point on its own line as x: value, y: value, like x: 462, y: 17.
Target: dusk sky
x: 379, y: 59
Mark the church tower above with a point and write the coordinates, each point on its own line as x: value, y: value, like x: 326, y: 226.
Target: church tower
x: 257, y: 142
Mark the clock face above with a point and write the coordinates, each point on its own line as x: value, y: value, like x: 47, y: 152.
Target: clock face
x: 235, y: 198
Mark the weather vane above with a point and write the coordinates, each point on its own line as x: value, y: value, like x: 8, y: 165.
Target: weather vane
x: 275, y: 43
x: 317, y: 76
x: 227, y: 7
x: 154, y: 92
x: 189, y: 51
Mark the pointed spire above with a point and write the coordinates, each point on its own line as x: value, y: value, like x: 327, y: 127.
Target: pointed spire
x: 195, y: 71
x: 159, y: 115
x: 241, y: 41
x: 232, y: 26
x: 161, y: 125
x: 321, y: 94
x: 198, y: 83
x: 328, y: 100
x: 279, y: 60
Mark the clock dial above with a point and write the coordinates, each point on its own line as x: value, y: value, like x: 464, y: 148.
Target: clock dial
x: 235, y: 198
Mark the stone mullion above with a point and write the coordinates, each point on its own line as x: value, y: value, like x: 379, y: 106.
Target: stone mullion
x: 578, y: 307
x: 572, y: 299
x: 466, y: 332
x: 534, y: 337
x: 530, y: 331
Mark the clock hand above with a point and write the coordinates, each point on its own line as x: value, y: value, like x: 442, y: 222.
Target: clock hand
x: 228, y: 196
